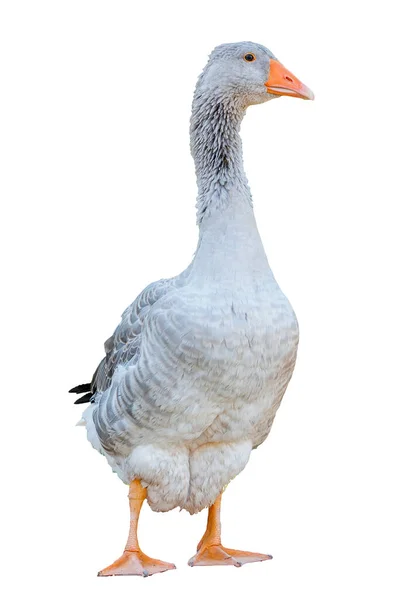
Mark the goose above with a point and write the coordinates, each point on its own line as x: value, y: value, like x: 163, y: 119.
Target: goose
x: 194, y: 373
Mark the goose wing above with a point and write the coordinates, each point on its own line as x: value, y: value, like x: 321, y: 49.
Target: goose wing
x: 124, y: 345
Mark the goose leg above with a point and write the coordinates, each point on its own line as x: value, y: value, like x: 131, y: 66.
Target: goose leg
x: 210, y: 551
x: 133, y: 561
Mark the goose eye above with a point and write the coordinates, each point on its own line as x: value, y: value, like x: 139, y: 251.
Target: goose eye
x: 249, y: 57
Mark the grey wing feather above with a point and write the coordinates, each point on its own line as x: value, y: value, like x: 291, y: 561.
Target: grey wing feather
x: 124, y: 345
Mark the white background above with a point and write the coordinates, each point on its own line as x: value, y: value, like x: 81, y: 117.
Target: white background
x: 98, y: 194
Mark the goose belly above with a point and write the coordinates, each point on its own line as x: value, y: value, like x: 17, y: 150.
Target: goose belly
x: 250, y: 368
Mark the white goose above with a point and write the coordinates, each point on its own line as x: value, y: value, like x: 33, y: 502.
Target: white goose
x: 195, y: 371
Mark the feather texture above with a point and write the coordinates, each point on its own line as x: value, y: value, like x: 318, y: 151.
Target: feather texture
x: 195, y: 371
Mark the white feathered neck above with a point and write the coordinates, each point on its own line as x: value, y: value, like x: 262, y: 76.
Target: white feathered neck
x: 229, y: 242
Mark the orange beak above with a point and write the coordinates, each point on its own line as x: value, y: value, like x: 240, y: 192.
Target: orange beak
x: 282, y: 82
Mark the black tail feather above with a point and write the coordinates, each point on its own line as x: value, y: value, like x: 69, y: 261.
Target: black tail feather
x: 84, y: 399
x: 80, y: 389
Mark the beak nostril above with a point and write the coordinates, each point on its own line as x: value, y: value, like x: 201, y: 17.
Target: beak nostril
x: 289, y: 78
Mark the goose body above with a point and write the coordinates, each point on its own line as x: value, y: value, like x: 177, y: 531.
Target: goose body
x: 198, y: 366
x: 214, y: 351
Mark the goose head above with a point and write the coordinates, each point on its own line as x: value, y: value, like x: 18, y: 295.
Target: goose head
x: 248, y: 73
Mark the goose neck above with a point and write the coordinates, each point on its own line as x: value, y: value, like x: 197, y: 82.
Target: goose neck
x: 217, y: 152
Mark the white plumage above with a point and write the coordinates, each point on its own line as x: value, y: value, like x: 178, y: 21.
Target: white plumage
x: 198, y: 366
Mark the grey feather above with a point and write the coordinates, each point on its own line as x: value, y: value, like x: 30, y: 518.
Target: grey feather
x: 195, y: 371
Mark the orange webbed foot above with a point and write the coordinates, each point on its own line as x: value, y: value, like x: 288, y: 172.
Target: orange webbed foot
x: 209, y: 555
x: 211, y: 552
x: 136, y: 563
